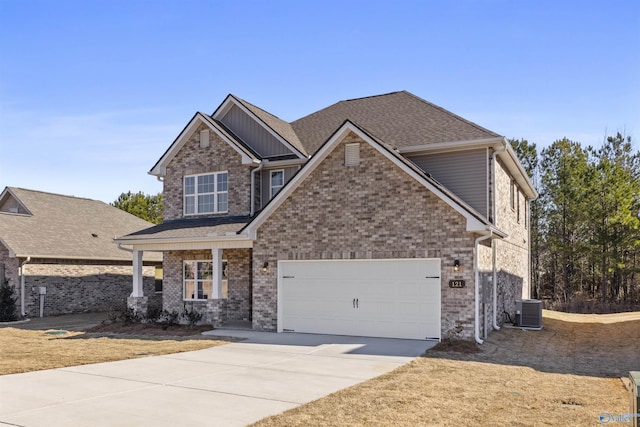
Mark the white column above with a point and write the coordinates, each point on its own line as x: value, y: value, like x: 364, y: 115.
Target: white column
x: 137, y: 273
x: 217, y: 272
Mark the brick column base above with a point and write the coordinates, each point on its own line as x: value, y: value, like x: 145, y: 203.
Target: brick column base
x: 140, y: 305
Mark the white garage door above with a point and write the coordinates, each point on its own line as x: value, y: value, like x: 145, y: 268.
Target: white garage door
x: 395, y: 298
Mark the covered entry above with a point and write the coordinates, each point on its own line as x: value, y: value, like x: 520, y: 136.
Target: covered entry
x: 392, y: 298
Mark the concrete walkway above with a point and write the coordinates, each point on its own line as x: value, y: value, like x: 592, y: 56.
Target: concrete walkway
x: 230, y: 385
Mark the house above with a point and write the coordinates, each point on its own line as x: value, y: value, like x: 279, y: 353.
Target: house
x: 58, y: 251
x: 381, y: 216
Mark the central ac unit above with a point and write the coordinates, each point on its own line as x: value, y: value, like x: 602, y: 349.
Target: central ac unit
x: 529, y: 313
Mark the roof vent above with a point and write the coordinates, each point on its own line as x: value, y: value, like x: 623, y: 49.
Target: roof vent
x: 94, y: 235
x: 204, y: 138
x: 352, y: 154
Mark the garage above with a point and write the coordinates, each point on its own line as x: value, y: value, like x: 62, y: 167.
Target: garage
x: 391, y: 298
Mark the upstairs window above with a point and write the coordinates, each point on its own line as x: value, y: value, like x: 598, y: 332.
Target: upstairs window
x: 206, y: 193
x: 276, y: 182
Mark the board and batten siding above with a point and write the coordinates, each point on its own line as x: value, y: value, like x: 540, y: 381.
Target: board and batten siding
x: 465, y: 173
x: 265, y: 179
x: 253, y: 134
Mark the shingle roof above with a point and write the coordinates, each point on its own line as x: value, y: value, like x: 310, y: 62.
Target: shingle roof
x: 190, y: 228
x: 401, y: 119
x: 282, y: 128
x: 67, y: 227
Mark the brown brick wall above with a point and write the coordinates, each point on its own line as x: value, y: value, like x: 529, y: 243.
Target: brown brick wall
x: 512, y: 255
x: 372, y: 211
x: 80, y: 287
x: 192, y: 159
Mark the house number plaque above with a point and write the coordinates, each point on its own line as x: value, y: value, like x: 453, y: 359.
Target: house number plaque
x: 456, y: 284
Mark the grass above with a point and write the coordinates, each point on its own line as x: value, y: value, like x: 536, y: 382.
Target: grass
x: 25, y: 350
x: 566, y: 374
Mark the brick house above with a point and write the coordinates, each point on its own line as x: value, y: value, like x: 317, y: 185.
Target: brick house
x: 379, y: 216
x: 58, y: 250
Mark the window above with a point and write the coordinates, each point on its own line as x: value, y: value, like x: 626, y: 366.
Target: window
x: 276, y: 182
x: 198, y: 280
x: 158, y: 280
x: 205, y: 194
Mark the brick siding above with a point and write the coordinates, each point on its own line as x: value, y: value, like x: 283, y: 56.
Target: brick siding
x: 192, y: 159
x: 372, y: 211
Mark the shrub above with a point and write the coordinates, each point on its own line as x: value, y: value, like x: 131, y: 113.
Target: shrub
x: 153, y: 314
x: 191, y: 315
x: 8, y: 300
x: 168, y: 318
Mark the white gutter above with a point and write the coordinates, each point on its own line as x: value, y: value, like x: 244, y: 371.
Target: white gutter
x: 495, y: 222
x: 22, y: 285
x: 476, y: 273
x: 253, y: 186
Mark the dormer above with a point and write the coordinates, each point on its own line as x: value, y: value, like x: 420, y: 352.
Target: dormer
x: 9, y: 203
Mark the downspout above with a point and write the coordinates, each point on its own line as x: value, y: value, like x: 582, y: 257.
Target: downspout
x: 124, y: 249
x: 22, y: 285
x: 253, y: 186
x: 477, y: 285
x: 494, y: 278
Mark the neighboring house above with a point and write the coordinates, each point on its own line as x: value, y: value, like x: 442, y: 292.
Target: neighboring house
x: 380, y: 216
x: 59, y: 251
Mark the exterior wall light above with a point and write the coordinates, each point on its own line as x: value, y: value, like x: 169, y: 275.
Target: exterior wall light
x: 265, y: 266
x: 456, y: 265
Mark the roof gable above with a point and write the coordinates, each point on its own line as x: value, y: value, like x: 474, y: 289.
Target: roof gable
x: 9, y: 203
x: 475, y: 221
x: 401, y: 119
x: 248, y: 156
x: 65, y: 227
x: 276, y: 128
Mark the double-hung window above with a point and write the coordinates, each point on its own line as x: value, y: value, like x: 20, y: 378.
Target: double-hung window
x: 277, y: 182
x: 206, y: 193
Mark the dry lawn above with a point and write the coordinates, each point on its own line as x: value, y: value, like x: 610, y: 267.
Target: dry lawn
x: 26, y: 350
x: 567, y: 374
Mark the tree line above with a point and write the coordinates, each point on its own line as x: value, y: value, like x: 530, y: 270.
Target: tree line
x: 585, y: 239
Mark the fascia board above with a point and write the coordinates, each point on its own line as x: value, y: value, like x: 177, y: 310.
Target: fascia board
x: 159, y: 168
x: 169, y: 240
x: 451, y: 146
x: 227, y: 104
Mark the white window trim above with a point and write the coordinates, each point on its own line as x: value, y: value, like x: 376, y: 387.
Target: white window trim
x: 196, y: 194
x: 225, y: 281
x: 271, y: 186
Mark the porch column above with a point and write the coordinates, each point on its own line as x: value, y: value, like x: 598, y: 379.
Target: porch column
x: 217, y: 272
x: 137, y: 274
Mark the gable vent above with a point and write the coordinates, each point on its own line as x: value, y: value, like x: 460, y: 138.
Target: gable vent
x: 352, y: 154
x: 204, y: 138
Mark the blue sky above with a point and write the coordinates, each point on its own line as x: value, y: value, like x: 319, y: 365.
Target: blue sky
x: 93, y: 92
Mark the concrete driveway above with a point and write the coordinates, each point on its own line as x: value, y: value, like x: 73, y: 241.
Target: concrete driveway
x: 230, y: 385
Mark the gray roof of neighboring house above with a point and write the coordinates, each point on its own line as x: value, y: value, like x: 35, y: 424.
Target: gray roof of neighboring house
x: 401, y: 119
x: 66, y: 227
x: 189, y: 228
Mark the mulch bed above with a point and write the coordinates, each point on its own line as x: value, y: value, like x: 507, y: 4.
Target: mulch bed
x: 150, y: 330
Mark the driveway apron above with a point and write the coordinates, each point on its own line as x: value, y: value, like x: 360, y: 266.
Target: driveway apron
x: 229, y: 385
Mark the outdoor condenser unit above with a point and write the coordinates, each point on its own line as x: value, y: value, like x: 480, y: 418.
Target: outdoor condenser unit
x: 529, y: 313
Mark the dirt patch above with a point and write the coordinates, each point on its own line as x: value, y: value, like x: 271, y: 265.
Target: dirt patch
x: 566, y: 374
x: 457, y: 346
